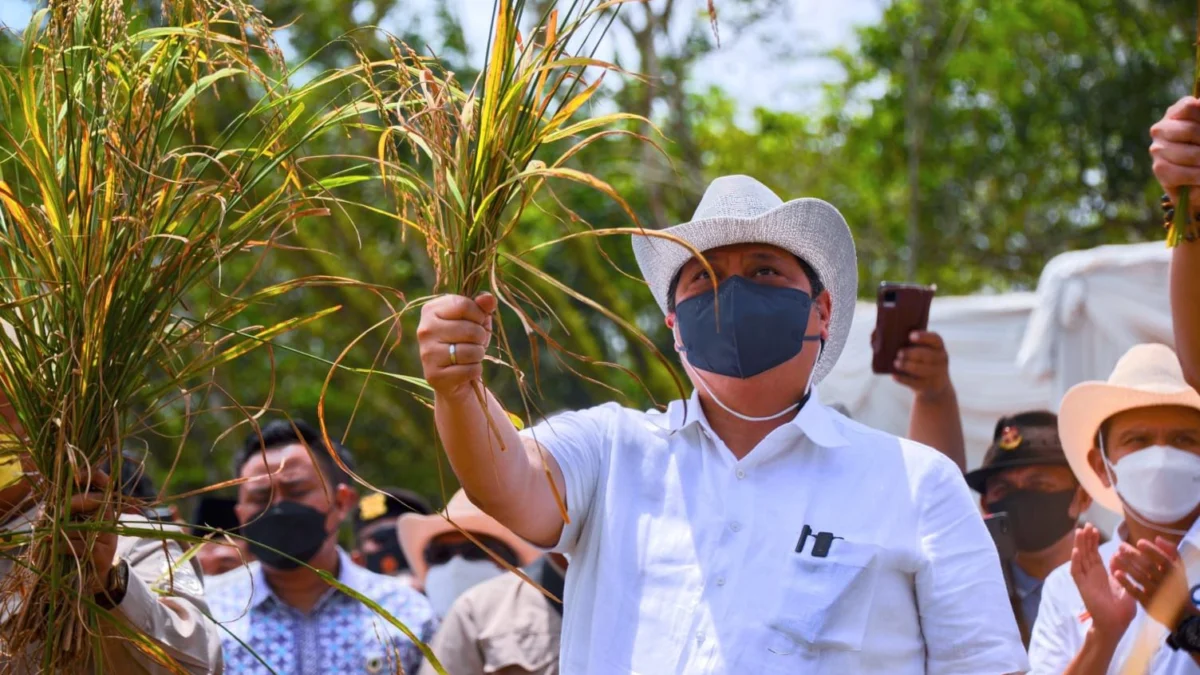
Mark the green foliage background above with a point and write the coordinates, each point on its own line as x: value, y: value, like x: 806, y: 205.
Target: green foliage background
x: 968, y: 143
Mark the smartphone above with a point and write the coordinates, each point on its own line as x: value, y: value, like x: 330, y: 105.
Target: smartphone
x: 998, y: 526
x: 900, y: 309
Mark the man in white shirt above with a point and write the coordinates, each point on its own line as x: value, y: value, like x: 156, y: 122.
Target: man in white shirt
x: 749, y: 529
x: 1134, y: 444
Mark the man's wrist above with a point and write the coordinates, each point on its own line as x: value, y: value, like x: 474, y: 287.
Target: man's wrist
x: 1186, y: 634
x: 1106, y: 635
x: 939, y: 395
x: 456, y: 395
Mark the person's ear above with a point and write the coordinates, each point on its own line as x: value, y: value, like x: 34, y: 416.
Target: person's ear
x: 1081, y: 503
x: 672, y: 322
x: 1096, y: 461
x: 824, y: 313
x: 345, y: 501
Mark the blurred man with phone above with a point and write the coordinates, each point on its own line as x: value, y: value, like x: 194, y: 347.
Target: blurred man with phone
x: 1025, y: 476
x: 916, y: 358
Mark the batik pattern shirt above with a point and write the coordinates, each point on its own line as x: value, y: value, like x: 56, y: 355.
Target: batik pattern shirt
x: 260, y: 634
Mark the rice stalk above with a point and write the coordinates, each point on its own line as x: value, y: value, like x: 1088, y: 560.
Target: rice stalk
x: 112, y: 218
x: 465, y: 163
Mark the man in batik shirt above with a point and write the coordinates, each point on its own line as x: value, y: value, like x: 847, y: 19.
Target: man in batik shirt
x: 279, y: 615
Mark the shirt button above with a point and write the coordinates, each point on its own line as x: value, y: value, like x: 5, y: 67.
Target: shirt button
x: 741, y: 474
x: 720, y: 581
x: 736, y: 527
x: 700, y: 636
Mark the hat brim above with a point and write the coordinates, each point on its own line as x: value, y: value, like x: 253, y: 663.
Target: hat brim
x: 1086, y: 406
x: 811, y: 229
x: 977, y: 479
x: 416, y: 531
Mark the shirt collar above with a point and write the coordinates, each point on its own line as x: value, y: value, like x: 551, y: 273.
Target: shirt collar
x: 813, y: 420
x: 1025, y: 583
x: 1191, y: 540
x: 350, y: 575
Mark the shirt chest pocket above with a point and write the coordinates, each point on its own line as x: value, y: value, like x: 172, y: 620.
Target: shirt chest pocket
x: 519, y: 653
x: 825, y: 602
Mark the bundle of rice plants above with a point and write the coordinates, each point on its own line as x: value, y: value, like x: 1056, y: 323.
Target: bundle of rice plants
x: 112, y: 216
x: 465, y: 163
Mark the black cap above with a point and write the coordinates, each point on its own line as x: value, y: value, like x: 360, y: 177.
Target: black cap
x: 1024, y: 439
x: 214, y: 512
x: 395, y: 502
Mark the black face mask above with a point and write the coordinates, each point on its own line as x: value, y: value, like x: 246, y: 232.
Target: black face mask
x: 746, y: 329
x: 1038, y: 518
x: 285, y: 531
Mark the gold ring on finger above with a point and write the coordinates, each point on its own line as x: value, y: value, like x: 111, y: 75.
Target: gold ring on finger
x: 454, y: 355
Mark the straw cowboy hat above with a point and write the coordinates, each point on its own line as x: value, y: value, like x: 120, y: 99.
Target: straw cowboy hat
x: 741, y: 210
x: 1147, y: 375
x: 416, y: 531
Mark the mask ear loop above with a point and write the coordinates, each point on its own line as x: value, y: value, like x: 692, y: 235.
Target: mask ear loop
x: 792, y: 408
x: 1129, y: 510
x: 731, y: 411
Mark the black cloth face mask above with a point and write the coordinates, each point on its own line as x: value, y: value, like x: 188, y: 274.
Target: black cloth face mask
x: 1038, y: 518
x: 746, y: 329
x: 284, y: 531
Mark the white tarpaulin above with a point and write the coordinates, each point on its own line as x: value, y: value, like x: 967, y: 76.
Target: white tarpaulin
x: 1021, y: 351
x: 983, y: 335
x: 1093, y: 306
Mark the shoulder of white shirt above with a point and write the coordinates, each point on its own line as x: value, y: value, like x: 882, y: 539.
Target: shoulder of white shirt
x: 918, y: 458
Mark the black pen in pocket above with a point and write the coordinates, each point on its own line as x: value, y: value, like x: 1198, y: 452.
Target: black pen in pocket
x: 803, y: 538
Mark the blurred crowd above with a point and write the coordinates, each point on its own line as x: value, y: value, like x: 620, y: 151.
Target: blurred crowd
x: 639, y: 540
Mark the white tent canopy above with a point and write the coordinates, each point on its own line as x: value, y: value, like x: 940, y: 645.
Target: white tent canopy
x: 1093, y: 306
x: 1021, y: 351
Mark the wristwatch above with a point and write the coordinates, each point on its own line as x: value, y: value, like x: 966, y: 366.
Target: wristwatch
x: 1186, y: 636
x: 116, y: 586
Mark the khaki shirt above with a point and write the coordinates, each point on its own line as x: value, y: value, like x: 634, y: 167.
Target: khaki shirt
x: 503, y: 626
x: 164, y: 600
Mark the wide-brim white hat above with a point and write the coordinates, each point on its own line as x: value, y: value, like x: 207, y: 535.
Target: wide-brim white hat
x: 416, y: 531
x: 1148, y: 375
x: 741, y: 210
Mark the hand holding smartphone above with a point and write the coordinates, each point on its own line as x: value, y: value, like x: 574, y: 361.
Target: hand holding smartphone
x: 900, y: 310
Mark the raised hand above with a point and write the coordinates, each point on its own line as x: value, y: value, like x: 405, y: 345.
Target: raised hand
x: 1153, y: 574
x: 1176, y: 146
x: 923, y: 365
x: 1111, y: 607
x: 99, y: 545
x: 453, y: 336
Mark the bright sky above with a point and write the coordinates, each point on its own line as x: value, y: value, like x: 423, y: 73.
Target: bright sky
x: 748, y: 65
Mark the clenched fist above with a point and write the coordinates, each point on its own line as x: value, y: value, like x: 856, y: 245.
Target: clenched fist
x: 923, y: 365
x: 1176, y: 146
x: 453, y: 335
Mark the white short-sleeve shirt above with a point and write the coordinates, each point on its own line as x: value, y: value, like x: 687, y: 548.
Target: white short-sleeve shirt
x: 1063, y: 623
x: 685, y: 560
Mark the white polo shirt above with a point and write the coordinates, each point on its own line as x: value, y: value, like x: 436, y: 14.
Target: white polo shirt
x: 683, y: 559
x: 1062, y: 624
